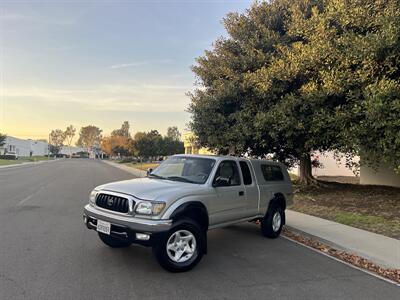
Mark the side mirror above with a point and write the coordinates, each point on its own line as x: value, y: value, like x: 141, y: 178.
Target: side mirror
x: 149, y: 170
x: 221, y: 181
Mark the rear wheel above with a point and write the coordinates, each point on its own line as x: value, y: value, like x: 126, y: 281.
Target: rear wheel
x: 181, y: 248
x: 272, y: 223
x: 113, y: 242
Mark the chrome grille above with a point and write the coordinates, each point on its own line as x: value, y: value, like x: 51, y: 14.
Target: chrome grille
x: 112, y: 202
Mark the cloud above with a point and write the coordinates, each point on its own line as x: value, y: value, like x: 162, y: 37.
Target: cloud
x: 128, y: 98
x: 12, y: 17
x: 140, y: 63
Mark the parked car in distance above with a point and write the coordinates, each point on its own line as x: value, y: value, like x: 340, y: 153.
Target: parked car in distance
x: 10, y: 155
x: 172, y: 209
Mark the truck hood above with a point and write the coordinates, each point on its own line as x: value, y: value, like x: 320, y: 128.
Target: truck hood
x: 153, y: 189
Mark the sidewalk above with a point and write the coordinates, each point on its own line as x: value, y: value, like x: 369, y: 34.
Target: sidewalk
x: 135, y: 172
x: 381, y: 250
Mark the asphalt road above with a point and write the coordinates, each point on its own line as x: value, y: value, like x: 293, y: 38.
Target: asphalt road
x: 47, y: 253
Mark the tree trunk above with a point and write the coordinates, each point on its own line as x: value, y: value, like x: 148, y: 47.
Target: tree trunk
x: 306, y: 177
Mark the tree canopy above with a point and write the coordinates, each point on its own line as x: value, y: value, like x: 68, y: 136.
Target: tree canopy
x: 297, y: 76
x: 116, y: 145
x: 173, y: 133
x: 57, y: 138
x: 89, y: 136
x: 2, y: 139
x: 123, y: 131
x: 152, y: 143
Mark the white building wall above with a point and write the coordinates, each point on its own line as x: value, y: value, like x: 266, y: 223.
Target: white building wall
x: 65, y: 150
x: 25, y: 147
x: 39, y: 148
x: 331, y: 166
x: 382, y: 176
x: 21, y: 147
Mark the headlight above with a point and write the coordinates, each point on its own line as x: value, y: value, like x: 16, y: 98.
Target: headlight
x: 92, y: 197
x: 149, y: 208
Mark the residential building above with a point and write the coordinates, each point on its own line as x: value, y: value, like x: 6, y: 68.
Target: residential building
x: 190, y: 145
x: 25, y: 147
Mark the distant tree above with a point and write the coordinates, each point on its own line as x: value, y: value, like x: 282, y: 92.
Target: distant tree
x: 69, y: 135
x: 171, y: 147
x: 120, y: 150
x: 116, y: 145
x: 173, y: 133
x: 2, y: 139
x: 148, y: 144
x: 89, y: 136
x: 123, y: 131
x: 57, y: 137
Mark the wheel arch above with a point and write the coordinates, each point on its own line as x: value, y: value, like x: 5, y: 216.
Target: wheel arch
x: 194, y: 210
x: 279, y: 200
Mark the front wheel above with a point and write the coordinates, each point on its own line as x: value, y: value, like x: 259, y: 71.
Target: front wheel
x: 272, y: 223
x: 181, y: 248
x: 113, y: 242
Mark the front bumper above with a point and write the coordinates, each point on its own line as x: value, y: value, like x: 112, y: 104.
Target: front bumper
x: 126, y: 227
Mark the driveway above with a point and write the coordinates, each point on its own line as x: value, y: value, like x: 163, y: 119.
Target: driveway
x: 47, y: 253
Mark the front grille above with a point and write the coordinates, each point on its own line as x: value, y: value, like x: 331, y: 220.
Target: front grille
x: 111, y: 202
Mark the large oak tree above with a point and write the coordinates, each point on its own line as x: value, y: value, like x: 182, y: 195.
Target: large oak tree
x: 297, y: 76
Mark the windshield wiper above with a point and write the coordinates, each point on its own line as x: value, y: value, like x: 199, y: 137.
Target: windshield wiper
x: 156, y: 176
x: 179, y: 178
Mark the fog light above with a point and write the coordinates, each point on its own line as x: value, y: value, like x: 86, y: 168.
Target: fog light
x: 85, y: 219
x: 142, y: 236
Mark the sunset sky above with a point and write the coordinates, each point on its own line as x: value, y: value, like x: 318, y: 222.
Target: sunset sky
x: 101, y: 62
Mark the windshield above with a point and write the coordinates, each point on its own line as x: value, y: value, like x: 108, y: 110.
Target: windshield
x: 185, y: 169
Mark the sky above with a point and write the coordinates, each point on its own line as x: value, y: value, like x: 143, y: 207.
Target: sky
x: 102, y: 62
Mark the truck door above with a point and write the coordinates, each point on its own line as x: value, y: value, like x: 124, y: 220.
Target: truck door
x: 230, y: 201
x: 250, y: 189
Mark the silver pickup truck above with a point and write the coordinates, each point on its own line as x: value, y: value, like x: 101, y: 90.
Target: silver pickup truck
x: 172, y: 209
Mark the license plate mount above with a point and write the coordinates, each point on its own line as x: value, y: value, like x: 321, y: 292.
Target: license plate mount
x: 104, y: 227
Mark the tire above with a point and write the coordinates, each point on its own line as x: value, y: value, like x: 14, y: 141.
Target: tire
x: 113, y: 242
x: 272, y: 223
x: 190, y: 240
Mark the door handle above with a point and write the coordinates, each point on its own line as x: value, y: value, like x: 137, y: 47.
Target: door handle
x: 241, y: 193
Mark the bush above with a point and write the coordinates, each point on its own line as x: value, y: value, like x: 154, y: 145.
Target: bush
x: 8, y: 156
x: 128, y: 160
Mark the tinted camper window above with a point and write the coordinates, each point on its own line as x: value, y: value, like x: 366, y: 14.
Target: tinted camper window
x: 271, y: 172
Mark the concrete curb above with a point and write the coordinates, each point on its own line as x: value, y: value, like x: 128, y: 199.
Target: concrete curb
x: 133, y: 171
x: 317, y: 238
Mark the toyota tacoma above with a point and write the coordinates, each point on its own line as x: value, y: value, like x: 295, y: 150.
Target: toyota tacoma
x: 172, y: 209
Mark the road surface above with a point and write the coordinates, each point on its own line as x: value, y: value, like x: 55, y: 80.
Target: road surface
x: 47, y: 253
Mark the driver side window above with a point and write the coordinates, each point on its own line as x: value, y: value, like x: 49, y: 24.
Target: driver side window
x: 228, y: 172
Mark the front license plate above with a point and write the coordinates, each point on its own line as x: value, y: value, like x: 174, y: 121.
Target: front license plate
x: 103, y: 227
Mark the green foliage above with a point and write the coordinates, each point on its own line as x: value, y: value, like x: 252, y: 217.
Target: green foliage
x: 89, y: 136
x: 121, y: 150
x: 2, y: 139
x: 147, y: 144
x: 57, y: 138
x: 152, y: 144
x: 297, y: 76
x: 173, y: 133
x: 69, y: 134
x: 123, y: 131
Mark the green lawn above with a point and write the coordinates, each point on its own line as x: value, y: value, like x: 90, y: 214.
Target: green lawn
x: 143, y: 166
x: 373, y: 208
x: 6, y: 162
